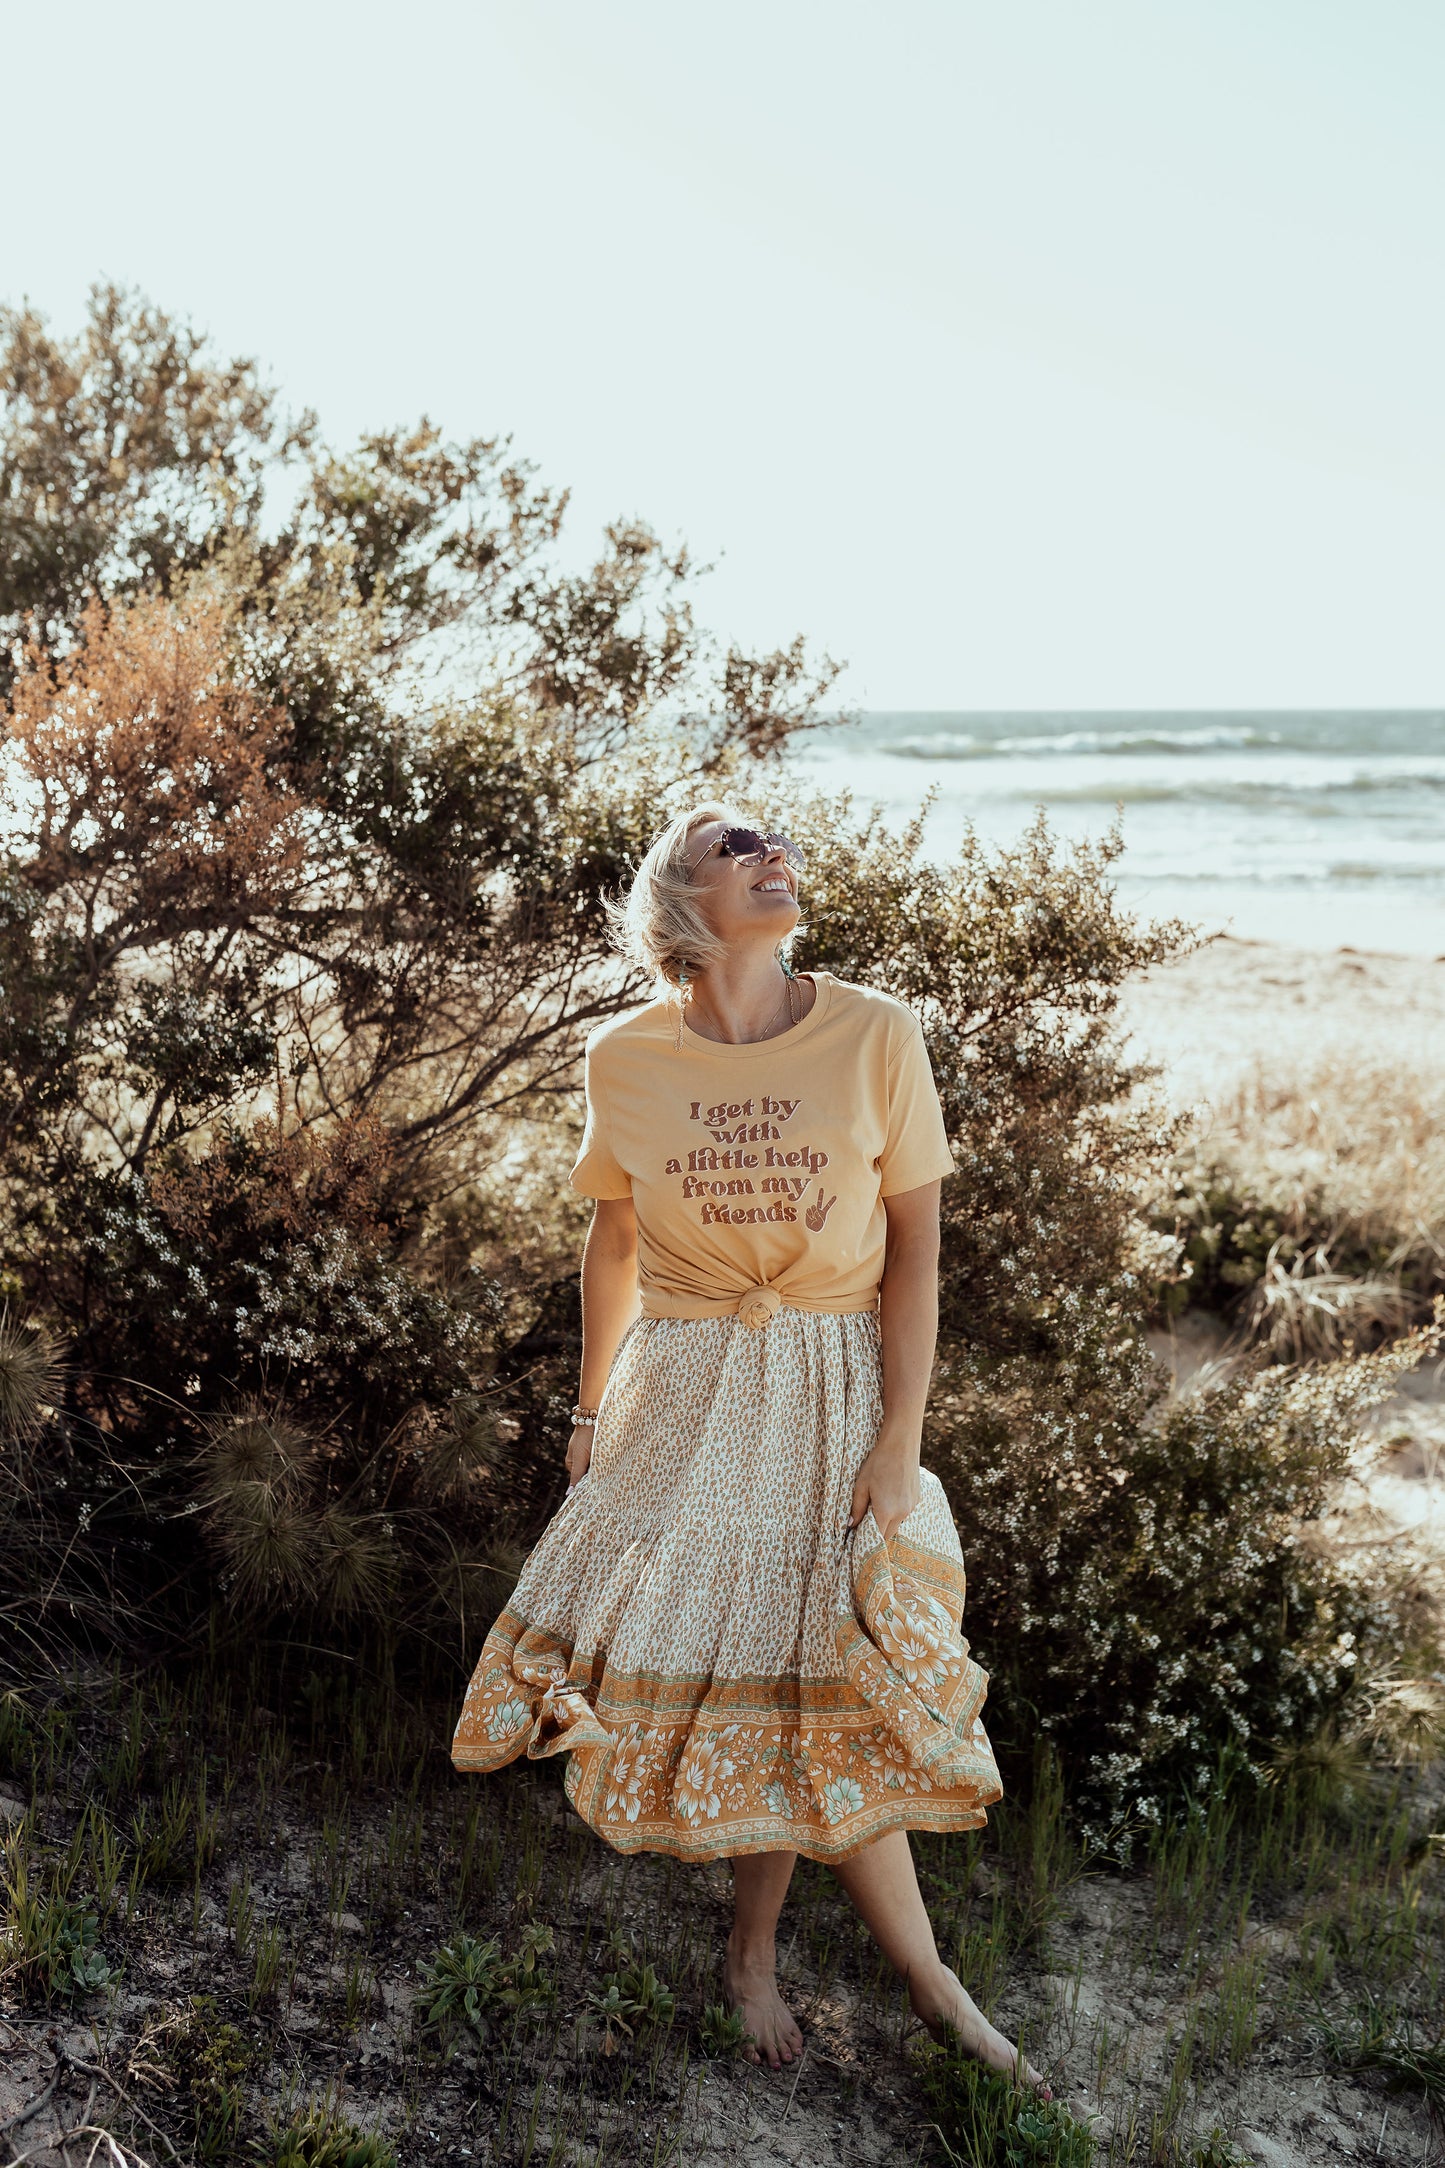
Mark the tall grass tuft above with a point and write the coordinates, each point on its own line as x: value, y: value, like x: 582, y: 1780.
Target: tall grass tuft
x: 30, y: 1375
x: 1312, y: 1200
x: 284, y: 1544
x: 1305, y: 1311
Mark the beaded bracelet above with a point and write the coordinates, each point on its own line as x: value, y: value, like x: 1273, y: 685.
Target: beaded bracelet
x: 584, y: 1418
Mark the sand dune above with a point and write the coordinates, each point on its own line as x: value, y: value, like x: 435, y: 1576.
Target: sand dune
x: 1236, y: 1006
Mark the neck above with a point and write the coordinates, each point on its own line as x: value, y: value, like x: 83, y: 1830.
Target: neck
x: 741, y: 995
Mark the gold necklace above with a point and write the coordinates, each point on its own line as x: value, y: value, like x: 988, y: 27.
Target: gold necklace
x: 787, y: 996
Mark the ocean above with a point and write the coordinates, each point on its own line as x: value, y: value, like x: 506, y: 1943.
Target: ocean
x: 1322, y: 830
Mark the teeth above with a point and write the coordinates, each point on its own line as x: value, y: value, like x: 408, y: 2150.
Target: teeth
x: 762, y: 885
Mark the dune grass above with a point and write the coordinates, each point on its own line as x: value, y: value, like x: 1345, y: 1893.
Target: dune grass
x: 1311, y: 1198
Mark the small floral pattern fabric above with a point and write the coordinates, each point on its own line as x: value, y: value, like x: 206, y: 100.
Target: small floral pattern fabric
x: 729, y: 1667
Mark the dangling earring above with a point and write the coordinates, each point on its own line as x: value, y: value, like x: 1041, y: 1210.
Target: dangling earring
x: 785, y: 961
x: 681, y: 993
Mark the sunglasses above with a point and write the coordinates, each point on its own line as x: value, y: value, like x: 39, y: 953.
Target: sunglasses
x: 749, y: 848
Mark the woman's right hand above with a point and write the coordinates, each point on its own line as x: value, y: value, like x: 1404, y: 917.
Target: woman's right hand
x: 579, y: 1454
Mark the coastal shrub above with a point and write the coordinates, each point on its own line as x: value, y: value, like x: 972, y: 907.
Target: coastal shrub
x: 291, y: 949
x: 262, y: 1261
x: 1013, y: 958
x: 1144, y: 1583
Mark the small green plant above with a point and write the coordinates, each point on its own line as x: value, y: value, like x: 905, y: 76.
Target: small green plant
x: 656, y: 2004
x: 49, y: 1945
x: 1217, y: 2151
x: 1228, y: 2029
x: 721, y: 2031
x: 630, y: 1995
x: 179, y: 1839
x: 104, y: 1857
x: 240, y: 1914
x: 981, y: 2116
x: 320, y: 2138
x: 207, y: 2061
x: 19, y: 1745
x: 467, y: 1980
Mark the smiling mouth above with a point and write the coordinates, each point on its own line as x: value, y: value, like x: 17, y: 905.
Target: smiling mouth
x: 774, y: 881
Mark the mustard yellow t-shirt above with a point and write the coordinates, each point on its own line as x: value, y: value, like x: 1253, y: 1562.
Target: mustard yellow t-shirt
x: 765, y: 1165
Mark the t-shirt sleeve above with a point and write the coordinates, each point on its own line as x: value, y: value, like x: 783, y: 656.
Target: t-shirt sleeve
x: 596, y: 1172
x: 917, y: 1150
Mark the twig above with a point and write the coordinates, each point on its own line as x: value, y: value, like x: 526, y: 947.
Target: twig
x: 120, y: 2157
x: 796, y: 2075
x: 94, y: 2070
x: 99, y: 2076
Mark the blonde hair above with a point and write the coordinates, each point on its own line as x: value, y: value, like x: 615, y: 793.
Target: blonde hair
x: 659, y: 924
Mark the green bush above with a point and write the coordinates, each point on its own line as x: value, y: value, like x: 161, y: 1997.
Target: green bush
x: 1230, y: 1233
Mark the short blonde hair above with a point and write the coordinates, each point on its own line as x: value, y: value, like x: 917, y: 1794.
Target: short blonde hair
x: 659, y: 925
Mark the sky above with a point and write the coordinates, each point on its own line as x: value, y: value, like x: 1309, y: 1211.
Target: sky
x: 1023, y: 355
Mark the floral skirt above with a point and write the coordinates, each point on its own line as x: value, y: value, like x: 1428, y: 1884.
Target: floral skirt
x: 730, y: 1668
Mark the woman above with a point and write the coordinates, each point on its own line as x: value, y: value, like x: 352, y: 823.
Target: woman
x: 742, y: 1623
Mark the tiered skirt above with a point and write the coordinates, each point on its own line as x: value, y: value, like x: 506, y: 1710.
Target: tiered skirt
x: 728, y: 1666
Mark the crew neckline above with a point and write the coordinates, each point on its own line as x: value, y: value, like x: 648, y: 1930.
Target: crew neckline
x: 822, y: 980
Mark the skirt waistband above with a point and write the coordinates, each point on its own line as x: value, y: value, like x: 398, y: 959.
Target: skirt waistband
x: 754, y: 1307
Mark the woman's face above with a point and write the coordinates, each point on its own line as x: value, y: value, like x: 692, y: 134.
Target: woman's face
x: 741, y: 902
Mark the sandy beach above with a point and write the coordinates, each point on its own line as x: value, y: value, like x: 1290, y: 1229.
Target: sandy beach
x: 1239, y: 1007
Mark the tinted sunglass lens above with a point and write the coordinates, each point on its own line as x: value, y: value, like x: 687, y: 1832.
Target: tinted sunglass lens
x: 745, y: 844
x: 742, y: 844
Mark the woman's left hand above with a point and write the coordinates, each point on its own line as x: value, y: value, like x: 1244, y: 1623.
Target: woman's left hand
x: 888, y: 1481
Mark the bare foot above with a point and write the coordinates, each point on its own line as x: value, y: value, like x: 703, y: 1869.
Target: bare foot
x: 750, y: 1983
x: 946, y: 2008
